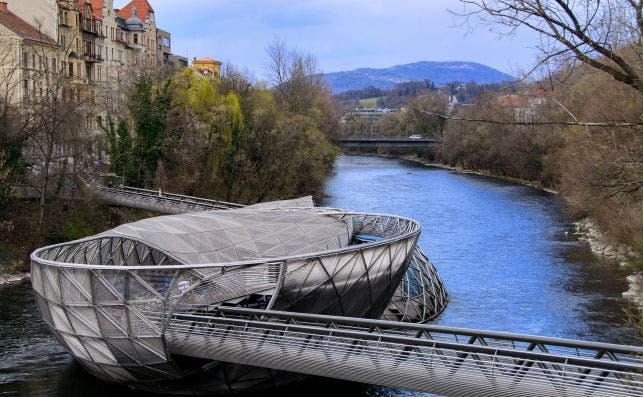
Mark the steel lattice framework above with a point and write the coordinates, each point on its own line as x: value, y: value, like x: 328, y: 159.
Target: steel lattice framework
x: 249, y: 298
x: 110, y: 299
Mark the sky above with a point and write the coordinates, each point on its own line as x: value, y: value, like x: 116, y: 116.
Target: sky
x: 342, y: 34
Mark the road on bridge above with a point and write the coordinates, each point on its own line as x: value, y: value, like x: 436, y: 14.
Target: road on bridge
x: 385, y: 142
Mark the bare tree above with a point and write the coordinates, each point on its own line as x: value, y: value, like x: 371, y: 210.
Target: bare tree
x: 56, y: 112
x: 606, y: 35
x: 294, y: 75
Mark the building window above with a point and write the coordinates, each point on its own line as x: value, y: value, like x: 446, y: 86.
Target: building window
x: 135, y: 38
x: 71, y: 69
x: 25, y: 60
x: 63, y: 40
x: 166, y: 42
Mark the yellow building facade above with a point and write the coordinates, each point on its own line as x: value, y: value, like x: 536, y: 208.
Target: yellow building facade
x: 207, y: 66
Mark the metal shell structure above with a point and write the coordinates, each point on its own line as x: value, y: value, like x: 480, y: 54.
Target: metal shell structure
x: 110, y: 299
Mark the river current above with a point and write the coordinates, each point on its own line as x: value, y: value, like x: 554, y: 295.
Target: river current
x: 506, y: 252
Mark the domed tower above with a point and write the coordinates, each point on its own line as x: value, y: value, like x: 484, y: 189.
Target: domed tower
x: 139, y: 21
x: 134, y: 23
x: 207, y: 66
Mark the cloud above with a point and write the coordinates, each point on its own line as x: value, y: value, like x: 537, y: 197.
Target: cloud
x: 342, y: 34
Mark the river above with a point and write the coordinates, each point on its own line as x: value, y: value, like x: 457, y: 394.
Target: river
x: 506, y: 252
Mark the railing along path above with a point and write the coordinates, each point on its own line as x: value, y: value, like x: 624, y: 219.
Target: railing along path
x: 443, y: 360
x: 159, y: 201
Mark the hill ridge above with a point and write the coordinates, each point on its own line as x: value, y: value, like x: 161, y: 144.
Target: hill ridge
x: 440, y: 72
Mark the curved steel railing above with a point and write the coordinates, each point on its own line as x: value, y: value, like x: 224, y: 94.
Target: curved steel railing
x: 109, y: 299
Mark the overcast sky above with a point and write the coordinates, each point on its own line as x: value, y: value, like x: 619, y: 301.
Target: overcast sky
x: 342, y: 34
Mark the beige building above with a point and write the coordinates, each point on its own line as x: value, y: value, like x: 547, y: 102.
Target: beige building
x: 27, y: 57
x: 207, y: 66
x: 87, y: 44
x: 40, y: 14
x: 138, y: 20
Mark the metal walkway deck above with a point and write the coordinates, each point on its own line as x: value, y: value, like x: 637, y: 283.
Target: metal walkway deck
x: 158, y: 201
x: 449, y: 361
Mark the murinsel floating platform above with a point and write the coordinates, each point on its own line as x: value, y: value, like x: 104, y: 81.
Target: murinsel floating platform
x: 115, y: 300
x: 237, y: 298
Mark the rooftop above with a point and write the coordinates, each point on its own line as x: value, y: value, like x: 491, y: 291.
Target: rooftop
x: 143, y: 9
x: 205, y: 60
x: 240, y: 234
x: 21, y: 28
x: 97, y: 8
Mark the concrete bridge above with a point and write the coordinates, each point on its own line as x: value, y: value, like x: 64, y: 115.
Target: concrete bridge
x: 444, y: 360
x: 386, y: 143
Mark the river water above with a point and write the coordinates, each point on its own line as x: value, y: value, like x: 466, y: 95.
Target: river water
x: 505, y: 251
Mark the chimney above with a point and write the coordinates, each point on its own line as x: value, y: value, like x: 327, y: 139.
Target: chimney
x: 3, y: 6
x: 133, y: 11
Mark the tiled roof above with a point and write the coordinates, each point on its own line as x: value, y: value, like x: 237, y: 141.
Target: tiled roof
x: 97, y: 8
x: 23, y: 29
x: 206, y: 60
x: 143, y: 9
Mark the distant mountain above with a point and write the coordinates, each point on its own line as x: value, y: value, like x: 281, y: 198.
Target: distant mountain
x: 438, y: 72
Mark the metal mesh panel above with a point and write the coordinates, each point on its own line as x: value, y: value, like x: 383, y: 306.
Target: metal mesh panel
x: 110, y: 299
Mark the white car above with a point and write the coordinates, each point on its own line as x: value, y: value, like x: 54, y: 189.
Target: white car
x: 415, y: 137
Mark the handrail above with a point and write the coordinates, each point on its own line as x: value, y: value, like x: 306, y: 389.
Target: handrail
x: 443, y: 360
x: 370, y: 323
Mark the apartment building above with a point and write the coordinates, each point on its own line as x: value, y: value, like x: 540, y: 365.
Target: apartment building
x: 78, y: 49
x: 40, y: 14
x: 27, y: 57
x: 92, y: 42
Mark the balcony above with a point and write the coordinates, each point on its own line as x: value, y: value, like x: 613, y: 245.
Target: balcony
x: 91, y: 26
x: 92, y: 57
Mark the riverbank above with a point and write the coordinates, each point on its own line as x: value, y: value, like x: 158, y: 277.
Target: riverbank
x: 11, y: 279
x: 20, y: 233
x: 427, y: 163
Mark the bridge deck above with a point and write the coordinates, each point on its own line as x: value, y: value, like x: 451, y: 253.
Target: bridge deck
x: 154, y: 200
x: 348, y: 143
x: 449, y: 361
